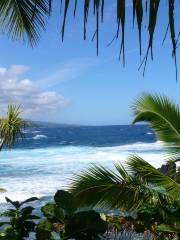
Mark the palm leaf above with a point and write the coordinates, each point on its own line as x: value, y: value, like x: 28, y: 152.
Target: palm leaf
x: 172, y: 31
x: 105, y: 188
x: 138, y: 12
x: 162, y: 115
x: 23, y: 19
x: 11, y: 127
x: 143, y: 170
x: 150, y: 8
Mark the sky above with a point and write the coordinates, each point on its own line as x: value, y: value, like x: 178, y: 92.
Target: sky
x: 67, y: 83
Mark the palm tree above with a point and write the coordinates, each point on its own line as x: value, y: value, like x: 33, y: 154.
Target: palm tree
x: 140, y: 183
x: 11, y: 127
x: 24, y: 20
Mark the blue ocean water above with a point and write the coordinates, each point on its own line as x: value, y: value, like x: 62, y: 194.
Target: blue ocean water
x: 50, y: 156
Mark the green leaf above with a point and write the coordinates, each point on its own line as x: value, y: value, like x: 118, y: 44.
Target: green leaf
x: 33, y: 217
x: 162, y: 115
x: 43, y: 230
x: 45, y: 225
x: 85, y: 225
x: 29, y: 225
x: 32, y: 199
x: 52, y: 212
x: 3, y: 223
x: 26, y: 211
x: 23, y: 19
x: 126, y: 190
x: 9, y: 213
x: 151, y: 175
x: 16, y: 204
x: 65, y: 201
x: 166, y: 228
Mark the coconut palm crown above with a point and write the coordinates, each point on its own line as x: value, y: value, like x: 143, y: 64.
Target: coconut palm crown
x: 11, y: 127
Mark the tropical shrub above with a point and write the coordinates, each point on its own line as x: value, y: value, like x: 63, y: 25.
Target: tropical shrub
x: 19, y: 220
x: 65, y: 219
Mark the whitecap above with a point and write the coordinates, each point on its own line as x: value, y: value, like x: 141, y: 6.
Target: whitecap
x: 139, y: 146
x: 39, y: 136
x: 36, y: 131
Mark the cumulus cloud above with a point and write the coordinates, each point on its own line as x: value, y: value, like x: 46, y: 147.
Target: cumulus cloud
x: 21, y: 91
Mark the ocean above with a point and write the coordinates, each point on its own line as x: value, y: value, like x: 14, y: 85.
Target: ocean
x: 49, y: 156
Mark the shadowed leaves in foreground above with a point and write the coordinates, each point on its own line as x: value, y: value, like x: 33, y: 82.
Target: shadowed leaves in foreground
x: 141, y: 10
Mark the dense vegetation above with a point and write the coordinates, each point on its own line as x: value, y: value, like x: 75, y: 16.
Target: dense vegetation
x: 61, y: 218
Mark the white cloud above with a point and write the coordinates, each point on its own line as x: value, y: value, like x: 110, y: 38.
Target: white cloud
x: 21, y: 91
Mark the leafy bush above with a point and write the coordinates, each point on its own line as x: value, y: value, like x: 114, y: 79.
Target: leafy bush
x: 64, y: 218
x: 20, y: 220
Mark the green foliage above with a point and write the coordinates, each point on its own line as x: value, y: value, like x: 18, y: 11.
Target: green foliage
x: 44, y: 230
x: 20, y: 220
x: 140, y: 10
x: 153, y: 195
x: 23, y: 19
x: 162, y: 115
x: 151, y: 175
x: 122, y: 189
x: 64, y: 219
x: 11, y: 127
x: 65, y: 201
x: 85, y: 225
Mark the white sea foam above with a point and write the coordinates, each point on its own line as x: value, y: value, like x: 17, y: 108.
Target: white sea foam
x: 36, y: 131
x: 39, y: 136
x: 149, y: 133
x: 40, y: 172
x: 139, y: 146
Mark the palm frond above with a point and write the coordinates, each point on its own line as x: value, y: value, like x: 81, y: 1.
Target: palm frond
x: 143, y: 170
x: 173, y: 157
x: 162, y: 115
x: 11, y: 127
x: 22, y: 19
x: 105, y: 188
x: 141, y: 12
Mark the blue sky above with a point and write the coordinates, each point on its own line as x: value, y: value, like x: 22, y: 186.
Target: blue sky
x: 67, y: 83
